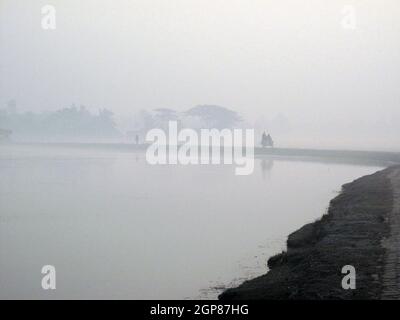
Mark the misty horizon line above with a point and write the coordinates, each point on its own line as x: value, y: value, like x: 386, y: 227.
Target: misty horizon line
x: 69, y: 124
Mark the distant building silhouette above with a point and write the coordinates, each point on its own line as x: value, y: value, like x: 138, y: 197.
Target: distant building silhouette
x: 266, y: 140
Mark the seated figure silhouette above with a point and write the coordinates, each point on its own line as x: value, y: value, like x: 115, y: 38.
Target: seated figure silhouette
x: 266, y: 141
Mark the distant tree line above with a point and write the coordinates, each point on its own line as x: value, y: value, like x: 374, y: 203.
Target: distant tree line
x: 72, y: 122
x: 77, y: 123
x: 199, y: 117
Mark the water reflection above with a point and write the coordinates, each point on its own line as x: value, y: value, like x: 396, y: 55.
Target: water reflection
x: 266, y: 167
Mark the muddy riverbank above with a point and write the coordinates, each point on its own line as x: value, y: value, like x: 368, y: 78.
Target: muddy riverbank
x: 361, y: 229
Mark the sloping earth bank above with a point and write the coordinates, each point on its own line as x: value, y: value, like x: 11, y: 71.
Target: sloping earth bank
x: 361, y: 228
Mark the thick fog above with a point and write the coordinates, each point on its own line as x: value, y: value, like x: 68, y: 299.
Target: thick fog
x: 296, y: 68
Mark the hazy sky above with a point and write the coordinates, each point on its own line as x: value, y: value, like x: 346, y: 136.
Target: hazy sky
x: 258, y: 57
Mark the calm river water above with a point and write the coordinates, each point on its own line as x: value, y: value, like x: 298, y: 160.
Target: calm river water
x: 116, y: 227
